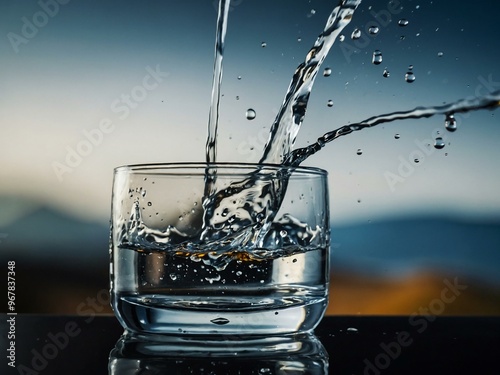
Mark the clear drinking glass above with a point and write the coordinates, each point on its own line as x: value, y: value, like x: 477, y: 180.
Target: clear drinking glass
x: 220, y: 249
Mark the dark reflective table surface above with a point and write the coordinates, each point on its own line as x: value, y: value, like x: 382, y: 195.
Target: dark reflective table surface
x: 43, y: 344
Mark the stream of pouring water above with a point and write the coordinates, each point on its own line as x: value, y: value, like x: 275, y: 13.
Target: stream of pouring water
x: 283, y: 132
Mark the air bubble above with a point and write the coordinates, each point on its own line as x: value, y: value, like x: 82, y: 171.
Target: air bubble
x: 377, y: 57
x: 403, y: 22
x: 150, y: 204
x: 329, y: 103
x: 250, y: 114
x: 440, y: 54
x: 359, y: 151
x: 352, y: 329
x: 173, y: 276
x: 397, y: 136
x: 219, y: 321
x: 386, y: 73
x: 263, y: 44
x: 327, y: 72
x: 373, y: 30
x: 341, y: 38
x: 450, y: 123
x: 439, y: 143
x: 416, y: 161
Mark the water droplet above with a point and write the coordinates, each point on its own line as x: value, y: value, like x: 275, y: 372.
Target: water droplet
x: 403, y: 22
x: 416, y: 161
x: 294, y: 260
x: 313, y: 11
x: 440, y: 54
x: 299, y: 39
x: 264, y: 370
x: 239, y: 273
x: 359, y: 152
x: 150, y: 204
x: 409, y: 76
x: 143, y: 193
x: 373, y: 30
x: 237, y: 97
x: 397, y: 136
x: 386, y: 73
x: 250, y: 114
x: 283, y: 233
x: 450, y: 123
x: 219, y: 321
x: 341, y: 38
x: 173, y: 276
x: 359, y: 200
x: 263, y: 44
x: 327, y: 72
x: 356, y: 34
x: 239, y: 78
x: 439, y: 143
x: 352, y: 329
x: 377, y: 57
x: 329, y: 103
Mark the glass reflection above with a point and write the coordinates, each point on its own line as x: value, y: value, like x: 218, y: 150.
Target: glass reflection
x: 147, y: 354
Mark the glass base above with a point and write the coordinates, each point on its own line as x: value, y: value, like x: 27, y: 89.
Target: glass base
x: 225, y: 316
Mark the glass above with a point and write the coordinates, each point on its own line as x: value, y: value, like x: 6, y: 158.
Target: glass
x: 224, y: 249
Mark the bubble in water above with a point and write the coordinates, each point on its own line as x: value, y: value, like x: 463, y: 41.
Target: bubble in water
x: 439, y: 143
x: 352, y: 329
x: 329, y: 103
x: 299, y: 39
x: 212, y: 279
x: 386, y: 73
x: 327, y: 72
x: 250, y: 114
x: 239, y: 273
x: 356, y: 34
x: 239, y: 78
x: 440, y: 54
x: 403, y: 22
x: 173, y: 276
x: 377, y: 57
x: 359, y: 152
x: 263, y: 44
x: 150, y: 204
x: 450, y: 123
x: 416, y: 161
x: 397, y: 136
x: 219, y: 321
x: 373, y: 30
x: 341, y: 38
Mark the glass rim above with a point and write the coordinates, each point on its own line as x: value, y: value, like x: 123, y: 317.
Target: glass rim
x: 156, y: 168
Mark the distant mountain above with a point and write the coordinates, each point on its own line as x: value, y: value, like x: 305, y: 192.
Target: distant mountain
x: 405, y: 245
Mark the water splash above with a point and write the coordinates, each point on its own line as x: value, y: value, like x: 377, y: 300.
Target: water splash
x: 490, y: 101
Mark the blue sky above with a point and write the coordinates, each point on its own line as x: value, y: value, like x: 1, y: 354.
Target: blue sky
x: 65, y: 85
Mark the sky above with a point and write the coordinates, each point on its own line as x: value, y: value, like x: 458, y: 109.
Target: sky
x: 88, y: 86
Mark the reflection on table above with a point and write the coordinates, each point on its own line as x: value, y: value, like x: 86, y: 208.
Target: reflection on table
x: 147, y: 354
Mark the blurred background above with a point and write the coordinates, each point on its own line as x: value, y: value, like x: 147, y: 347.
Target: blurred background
x: 87, y: 86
